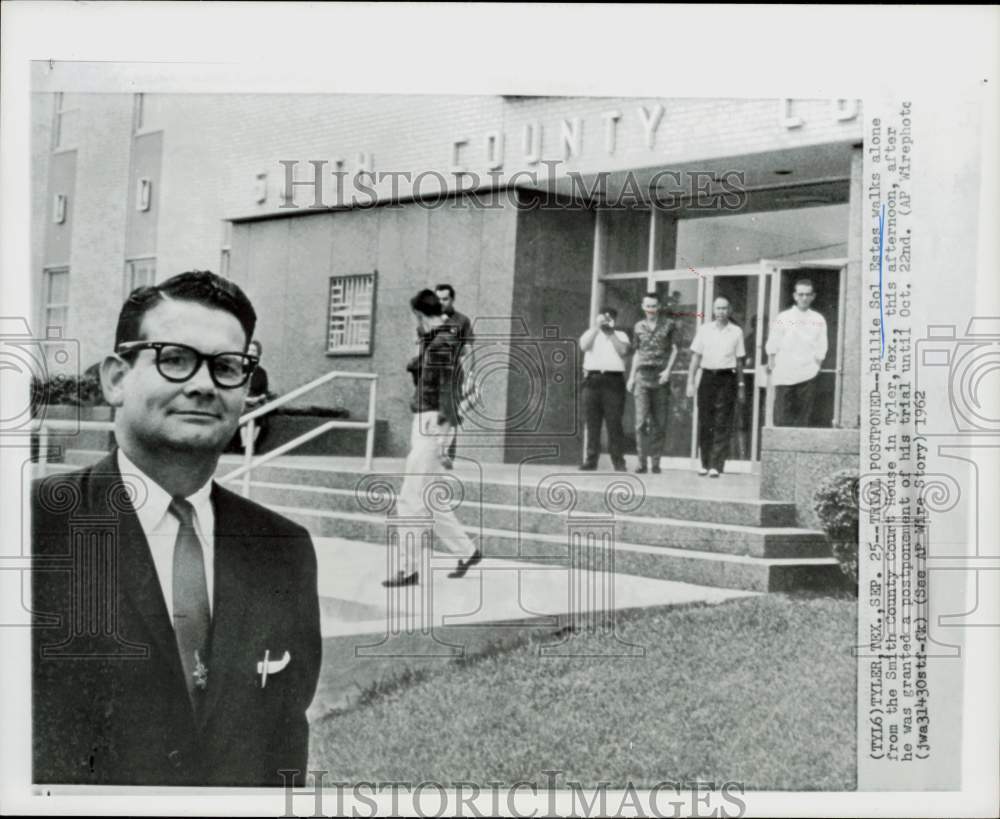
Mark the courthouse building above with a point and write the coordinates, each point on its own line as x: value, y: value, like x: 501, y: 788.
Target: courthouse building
x: 536, y: 209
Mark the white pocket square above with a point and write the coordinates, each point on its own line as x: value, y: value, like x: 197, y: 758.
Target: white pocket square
x: 267, y: 666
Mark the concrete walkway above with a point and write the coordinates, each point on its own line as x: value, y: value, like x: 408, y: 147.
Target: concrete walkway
x: 353, y: 600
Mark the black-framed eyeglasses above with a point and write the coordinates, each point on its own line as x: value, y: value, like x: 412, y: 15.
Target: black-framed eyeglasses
x: 179, y: 362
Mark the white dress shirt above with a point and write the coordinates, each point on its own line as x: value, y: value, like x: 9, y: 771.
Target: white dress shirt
x: 602, y: 354
x: 160, y: 528
x: 798, y: 339
x: 719, y: 346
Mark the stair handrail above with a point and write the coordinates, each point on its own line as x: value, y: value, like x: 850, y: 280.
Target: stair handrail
x: 43, y: 425
x: 248, y: 420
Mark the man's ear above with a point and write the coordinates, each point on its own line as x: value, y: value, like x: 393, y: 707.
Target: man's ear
x: 113, y: 371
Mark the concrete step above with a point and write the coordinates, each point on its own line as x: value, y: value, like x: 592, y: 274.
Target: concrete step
x: 731, y: 571
x: 589, y: 491
x: 756, y: 541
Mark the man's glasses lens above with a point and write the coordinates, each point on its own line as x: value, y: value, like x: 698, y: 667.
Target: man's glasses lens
x: 178, y: 362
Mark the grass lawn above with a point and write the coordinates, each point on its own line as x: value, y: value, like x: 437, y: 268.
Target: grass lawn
x: 759, y: 691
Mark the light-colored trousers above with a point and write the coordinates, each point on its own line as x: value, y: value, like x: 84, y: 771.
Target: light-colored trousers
x: 428, y: 441
x: 652, y: 409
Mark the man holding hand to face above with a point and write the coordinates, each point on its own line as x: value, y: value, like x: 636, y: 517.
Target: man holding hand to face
x: 604, y: 351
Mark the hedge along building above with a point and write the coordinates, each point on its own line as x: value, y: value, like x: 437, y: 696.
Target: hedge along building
x: 331, y: 211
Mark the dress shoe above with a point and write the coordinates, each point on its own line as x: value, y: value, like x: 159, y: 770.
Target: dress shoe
x: 620, y: 467
x: 402, y: 579
x: 713, y: 473
x: 641, y: 468
x: 447, y: 462
x: 656, y: 467
x: 587, y: 466
x: 465, y: 565
x: 703, y: 472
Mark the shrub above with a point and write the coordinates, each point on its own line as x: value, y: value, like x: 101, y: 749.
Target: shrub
x: 836, y: 505
x: 68, y: 390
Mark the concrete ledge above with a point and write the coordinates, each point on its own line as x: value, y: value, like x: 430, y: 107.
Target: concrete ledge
x: 806, y: 439
x: 283, y: 428
x: 795, y: 460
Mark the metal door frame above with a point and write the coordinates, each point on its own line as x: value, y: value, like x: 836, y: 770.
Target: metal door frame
x: 689, y: 461
x: 775, y: 268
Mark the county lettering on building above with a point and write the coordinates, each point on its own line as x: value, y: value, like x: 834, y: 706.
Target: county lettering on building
x: 331, y: 210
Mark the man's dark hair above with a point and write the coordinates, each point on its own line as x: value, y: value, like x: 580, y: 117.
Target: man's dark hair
x: 199, y: 286
x: 806, y: 282
x: 652, y: 296
x: 448, y: 287
x: 610, y: 311
x: 426, y: 303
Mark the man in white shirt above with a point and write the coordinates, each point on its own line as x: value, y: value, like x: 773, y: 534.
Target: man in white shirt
x: 176, y: 637
x: 717, y: 351
x: 604, y: 351
x: 796, y: 348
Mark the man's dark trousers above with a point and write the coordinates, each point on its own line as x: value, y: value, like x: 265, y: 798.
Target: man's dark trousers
x: 716, y: 400
x: 793, y: 403
x: 604, y: 401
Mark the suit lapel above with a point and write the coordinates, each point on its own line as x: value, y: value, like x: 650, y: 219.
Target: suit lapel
x: 231, y: 655
x: 141, y: 593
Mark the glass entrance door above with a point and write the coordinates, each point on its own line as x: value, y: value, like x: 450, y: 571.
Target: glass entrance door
x: 828, y: 282
x: 688, y: 297
x: 681, y: 299
x: 757, y: 292
x: 748, y: 294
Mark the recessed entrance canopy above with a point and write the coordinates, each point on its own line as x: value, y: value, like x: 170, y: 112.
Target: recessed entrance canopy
x: 772, y: 180
x: 752, y: 254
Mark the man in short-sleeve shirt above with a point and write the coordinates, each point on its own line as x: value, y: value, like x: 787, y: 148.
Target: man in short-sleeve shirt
x: 649, y: 381
x: 718, y: 352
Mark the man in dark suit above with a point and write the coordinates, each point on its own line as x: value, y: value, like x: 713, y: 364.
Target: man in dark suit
x: 176, y: 637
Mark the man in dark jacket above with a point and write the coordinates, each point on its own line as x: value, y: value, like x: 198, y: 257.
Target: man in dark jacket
x: 435, y: 415
x: 446, y: 293
x: 176, y: 634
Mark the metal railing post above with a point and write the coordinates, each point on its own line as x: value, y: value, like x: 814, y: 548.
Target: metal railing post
x: 370, y: 440
x: 43, y: 447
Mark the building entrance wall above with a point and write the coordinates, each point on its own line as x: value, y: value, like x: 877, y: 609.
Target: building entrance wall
x: 286, y: 265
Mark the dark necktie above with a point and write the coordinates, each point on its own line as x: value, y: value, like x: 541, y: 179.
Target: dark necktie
x: 192, y: 615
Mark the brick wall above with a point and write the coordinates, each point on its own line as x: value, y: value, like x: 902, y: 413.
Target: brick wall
x: 98, y: 252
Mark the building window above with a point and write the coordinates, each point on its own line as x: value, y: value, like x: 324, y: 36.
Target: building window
x: 352, y: 300
x: 59, y: 209
x: 225, y: 255
x: 139, y: 113
x: 143, y: 194
x: 56, y: 297
x: 139, y: 273
x: 64, y: 126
